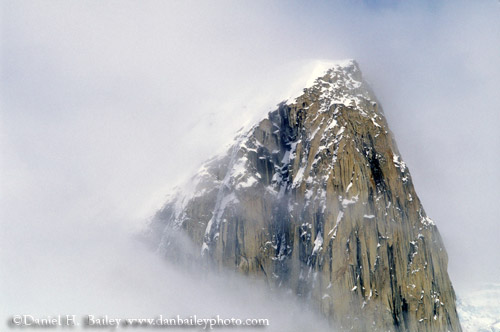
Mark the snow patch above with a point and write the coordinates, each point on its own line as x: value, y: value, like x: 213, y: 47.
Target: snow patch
x: 399, y: 163
x: 346, y: 202
x: 318, y: 242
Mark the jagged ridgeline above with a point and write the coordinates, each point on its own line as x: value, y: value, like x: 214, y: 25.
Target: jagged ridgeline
x: 317, y: 199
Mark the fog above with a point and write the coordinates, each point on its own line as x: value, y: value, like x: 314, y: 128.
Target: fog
x: 107, y: 105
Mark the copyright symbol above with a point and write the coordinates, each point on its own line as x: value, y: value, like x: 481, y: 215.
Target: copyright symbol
x: 17, y: 320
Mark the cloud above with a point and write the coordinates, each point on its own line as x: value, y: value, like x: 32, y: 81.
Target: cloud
x: 107, y: 105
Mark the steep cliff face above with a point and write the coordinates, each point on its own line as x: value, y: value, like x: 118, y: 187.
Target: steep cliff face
x: 316, y: 198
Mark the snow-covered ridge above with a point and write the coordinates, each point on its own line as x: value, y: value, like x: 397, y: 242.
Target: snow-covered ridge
x: 318, y: 69
x: 335, y: 83
x: 340, y: 82
x: 479, y: 309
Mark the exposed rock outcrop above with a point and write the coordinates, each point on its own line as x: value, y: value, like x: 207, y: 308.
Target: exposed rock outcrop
x: 316, y: 198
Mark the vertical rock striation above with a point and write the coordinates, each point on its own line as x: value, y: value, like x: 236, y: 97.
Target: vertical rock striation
x: 316, y: 198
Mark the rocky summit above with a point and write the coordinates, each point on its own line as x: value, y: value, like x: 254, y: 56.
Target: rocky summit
x: 317, y: 199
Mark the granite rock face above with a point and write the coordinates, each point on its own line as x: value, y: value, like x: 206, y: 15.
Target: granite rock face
x: 317, y: 199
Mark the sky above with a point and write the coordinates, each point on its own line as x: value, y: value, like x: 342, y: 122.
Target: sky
x: 107, y: 105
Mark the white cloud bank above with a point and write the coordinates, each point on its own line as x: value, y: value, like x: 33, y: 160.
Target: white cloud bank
x: 105, y: 105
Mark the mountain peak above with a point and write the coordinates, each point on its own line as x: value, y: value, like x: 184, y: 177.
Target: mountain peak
x: 316, y: 199
x: 339, y: 82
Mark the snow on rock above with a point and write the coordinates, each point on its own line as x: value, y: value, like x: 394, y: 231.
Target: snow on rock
x: 317, y: 243
x: 399, y: 163
x: 346, y: 202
